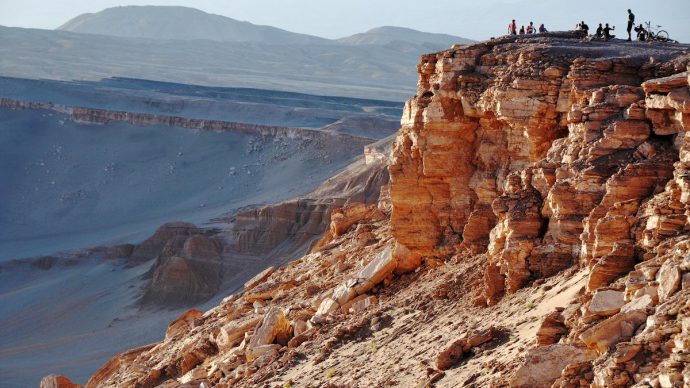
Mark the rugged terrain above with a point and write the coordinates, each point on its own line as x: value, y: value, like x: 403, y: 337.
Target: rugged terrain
x: 91, y: 170
x: 534, y: 233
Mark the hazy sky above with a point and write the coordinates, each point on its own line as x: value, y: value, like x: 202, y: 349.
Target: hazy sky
x: 475, y: 19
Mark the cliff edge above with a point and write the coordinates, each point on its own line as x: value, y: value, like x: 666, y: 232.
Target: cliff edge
x: 534, y: 233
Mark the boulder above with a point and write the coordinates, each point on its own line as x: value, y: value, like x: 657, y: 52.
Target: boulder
x: 378, y: 269
x: 544, y: 364
x: 232, y: 333
x: 456, y: 349
x: 274, y: 326
x: 345, y: 292
x: 183, y: 323
x: 263, y: 350
x: 327, y: 307
x: 552, y: 329
x: 666, y: 84
x: 56, y: 381
x: 669, y: 278
x: 606, y: 302
x: 619, y: 327
x: 451, y: 355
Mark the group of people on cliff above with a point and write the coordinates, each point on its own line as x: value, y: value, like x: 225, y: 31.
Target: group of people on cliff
x: 605, y: 32
x: 602, y: 32
x: 531, y: 29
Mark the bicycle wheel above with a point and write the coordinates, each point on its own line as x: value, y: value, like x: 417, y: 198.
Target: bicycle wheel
x: 662, y: 35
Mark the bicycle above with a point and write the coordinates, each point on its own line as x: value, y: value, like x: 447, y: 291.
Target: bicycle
x: 657, y: 35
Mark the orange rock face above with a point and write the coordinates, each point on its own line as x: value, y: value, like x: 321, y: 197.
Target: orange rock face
x: 538, y: 156
x: 55, y: 381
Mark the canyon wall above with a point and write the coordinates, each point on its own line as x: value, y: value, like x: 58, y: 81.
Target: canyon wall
x: 103, y: 116
x: 539, y: 156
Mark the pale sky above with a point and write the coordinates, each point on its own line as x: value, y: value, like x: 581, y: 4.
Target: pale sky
x: 474, y: 19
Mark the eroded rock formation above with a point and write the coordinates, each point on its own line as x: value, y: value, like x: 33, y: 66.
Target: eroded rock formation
x: 535, y: 233
x: 538, y: 154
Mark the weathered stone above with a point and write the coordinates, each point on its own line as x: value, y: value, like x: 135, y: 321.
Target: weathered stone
x: 450, y: 356
x: 327, y: 307
x: 232, y: 333
x: 606, y: 302
x: 259, y: 278
x: 551, y: 329
x: 666, y: 84
x: 55, y: 381
x: 378, y: 269
x: 617, y: 328
x: 454, y: 351
x: 669, y: 278
x: 274, y: 326
x: 263, y: 350
x: 543, y: 365
x: 183, y: 323
x: 626, y: 351
x: 363, y: 304
x: 345, y: 292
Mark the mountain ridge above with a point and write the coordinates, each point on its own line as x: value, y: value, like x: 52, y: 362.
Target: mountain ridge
x: 186, y: 23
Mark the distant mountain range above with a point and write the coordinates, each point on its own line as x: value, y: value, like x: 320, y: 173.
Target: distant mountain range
x: 185, y: 45
x: 183, y: 23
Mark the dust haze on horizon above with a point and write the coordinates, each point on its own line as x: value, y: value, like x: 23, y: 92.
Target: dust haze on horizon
x: 339, y: 18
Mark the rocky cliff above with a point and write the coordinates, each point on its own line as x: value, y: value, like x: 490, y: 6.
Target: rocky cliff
x: 103, y: 116
x: 534, y: 233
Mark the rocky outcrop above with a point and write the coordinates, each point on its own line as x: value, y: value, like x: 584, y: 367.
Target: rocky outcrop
x: 537, y: 154
x: 544, y: 365
x: 188, y: 265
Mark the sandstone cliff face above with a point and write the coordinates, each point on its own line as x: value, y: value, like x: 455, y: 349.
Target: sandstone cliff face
x: 538, y: 154
x: 534, y: 233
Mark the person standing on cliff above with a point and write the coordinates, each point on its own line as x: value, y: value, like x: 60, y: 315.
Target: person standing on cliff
x: 631, y: 23
x: 512, y: 28
x: 530, y: 28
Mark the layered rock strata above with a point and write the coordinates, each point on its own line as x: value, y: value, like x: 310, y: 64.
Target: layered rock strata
x: 539, y: 154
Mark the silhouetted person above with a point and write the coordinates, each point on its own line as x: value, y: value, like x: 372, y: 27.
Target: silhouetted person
x: 530, y: 28
x: 607, y: 32
x: 512, y: 28
x: 542, y: 29
x: 631, y: 23
x: 641, y: 33
x: 522, y: 30
x: 584, y: 27
x: 600, y: 32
